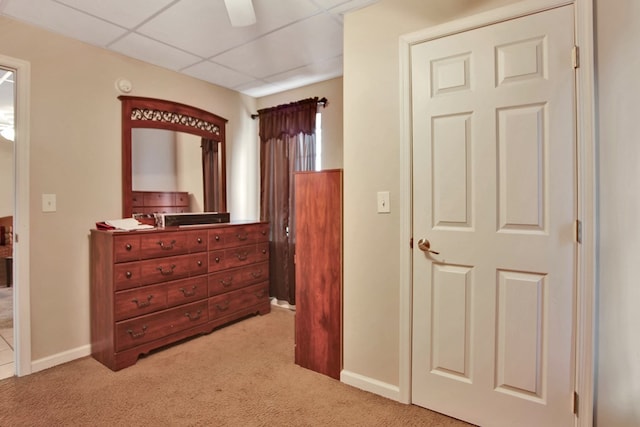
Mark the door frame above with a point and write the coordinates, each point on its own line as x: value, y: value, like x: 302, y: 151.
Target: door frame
x: 585, y: 298
x: 21, y: 283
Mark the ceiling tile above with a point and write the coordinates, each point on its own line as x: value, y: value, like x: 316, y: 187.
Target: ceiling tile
x: 151, y: 51
x: 313, y: 39
x: 258, y: 88
x: 312, y: 73
x: 217, y: 74
x: 349, y: 6
x: 126, y: 13
x: 202, y: 26
x: 62, y: 20
x: 328, y: 4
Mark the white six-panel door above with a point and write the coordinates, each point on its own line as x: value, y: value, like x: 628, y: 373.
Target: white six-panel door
x: 494, y: 192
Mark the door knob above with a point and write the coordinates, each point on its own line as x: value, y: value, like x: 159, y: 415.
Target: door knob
x: 425, y: 246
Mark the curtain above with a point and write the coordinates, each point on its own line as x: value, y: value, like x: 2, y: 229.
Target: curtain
x: 287, y: 135
x: 210, y: 174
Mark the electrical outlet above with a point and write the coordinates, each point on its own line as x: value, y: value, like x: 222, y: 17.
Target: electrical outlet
x: 383, y: 202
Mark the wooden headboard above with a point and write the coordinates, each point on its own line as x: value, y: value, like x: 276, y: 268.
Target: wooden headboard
x: 6, y: 236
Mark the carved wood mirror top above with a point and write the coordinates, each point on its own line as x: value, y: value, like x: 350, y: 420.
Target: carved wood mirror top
x: 139, y: 112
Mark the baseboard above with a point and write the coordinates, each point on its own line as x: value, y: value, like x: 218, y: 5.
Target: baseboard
x: 60, y: 358
x: 369, y: 384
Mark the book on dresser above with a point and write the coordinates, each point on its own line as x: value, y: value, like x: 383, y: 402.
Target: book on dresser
x: 155, y: 287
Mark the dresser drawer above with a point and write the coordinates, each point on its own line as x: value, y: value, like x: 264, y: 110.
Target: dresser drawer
x: 126, y: 275
x: 158, y: 199
x: 138, y: 301
x: 143, y: 329
x: 226, y: 304
x: 237, y: 278
x: 126, y: 247
x: 172, y: 268
x: 238, y: 236
x: 197, y: 240
x: 186, y: 290
x: 163, y: 244
x: 137, y: 199
x: 182, y: 199
x: 237, y: 257
x: 245, y: 255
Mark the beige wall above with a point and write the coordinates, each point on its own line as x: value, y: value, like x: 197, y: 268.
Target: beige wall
x: 75, y: 154
x: 371, y: 164
x: 331, y: 115
x: 618, y: 68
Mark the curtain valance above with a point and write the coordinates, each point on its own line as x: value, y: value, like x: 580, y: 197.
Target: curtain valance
x: 288, y: 119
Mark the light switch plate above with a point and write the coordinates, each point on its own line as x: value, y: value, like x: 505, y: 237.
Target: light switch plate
x: 383, y: 202
x: 48, y: 203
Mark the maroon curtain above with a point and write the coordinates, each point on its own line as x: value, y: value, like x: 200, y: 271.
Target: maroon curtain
x: 287, y: 143
x: 210, y: 174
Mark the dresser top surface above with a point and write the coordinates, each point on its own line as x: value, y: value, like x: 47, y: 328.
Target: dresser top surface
x: 180, y: 228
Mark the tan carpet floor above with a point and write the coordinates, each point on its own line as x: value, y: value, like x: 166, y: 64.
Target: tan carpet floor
x: 240, y: 375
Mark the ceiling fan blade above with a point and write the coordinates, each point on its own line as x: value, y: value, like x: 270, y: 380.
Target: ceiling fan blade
x: 240, y: 12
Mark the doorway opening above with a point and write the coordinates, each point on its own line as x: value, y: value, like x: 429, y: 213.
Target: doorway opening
x: 7, y: 209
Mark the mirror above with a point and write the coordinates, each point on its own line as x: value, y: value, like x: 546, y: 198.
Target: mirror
x: 162, y: 155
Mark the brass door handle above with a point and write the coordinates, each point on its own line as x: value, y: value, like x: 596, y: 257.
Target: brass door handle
x: 425, y: 246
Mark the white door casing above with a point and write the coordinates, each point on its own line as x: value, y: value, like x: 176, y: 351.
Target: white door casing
x: 22, y: 313
x: 494, y: 190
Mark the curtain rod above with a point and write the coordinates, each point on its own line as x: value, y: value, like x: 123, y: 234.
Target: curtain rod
x: 322, y: 102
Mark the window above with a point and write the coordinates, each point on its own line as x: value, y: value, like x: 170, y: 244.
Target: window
x: 318, y: 141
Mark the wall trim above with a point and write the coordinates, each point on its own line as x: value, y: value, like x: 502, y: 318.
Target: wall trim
x: 586, y: 277
x: 369, y: 384
x: 60, y: 358
x: 22, y: 286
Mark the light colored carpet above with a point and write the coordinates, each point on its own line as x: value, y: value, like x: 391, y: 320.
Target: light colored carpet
x: 241, y: 375
x: 6, y: 308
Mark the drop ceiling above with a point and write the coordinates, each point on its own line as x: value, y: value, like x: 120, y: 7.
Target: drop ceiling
x: 293, y: 43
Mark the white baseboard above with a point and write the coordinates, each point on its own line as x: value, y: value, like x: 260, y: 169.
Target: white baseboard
x: 371, y: 385
x: 60, y: 358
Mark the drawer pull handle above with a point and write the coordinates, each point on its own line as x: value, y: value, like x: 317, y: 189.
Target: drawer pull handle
x: 128, y: 246
x: 264, y: 251
x: 217, y: 238
x: 242, y: 256
x: 256, y: 274
x: 138, y: 334
x: 217, y: 259
x: 196, y: 317
x: 190, y: 293
x: 199, y: 240
x: 264, y: 232
x: 166, y: 272
x: 199, y: 263
x: 142, y: 304
x: 226, y: 283
x: 224, y: 307
x: 166, y: 248
x: 128, y: 274
x: 259, y: 294
x: 244, y: 236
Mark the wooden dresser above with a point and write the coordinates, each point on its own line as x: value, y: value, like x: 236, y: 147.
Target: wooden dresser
x: 148, y: 202
x: 154, y: 287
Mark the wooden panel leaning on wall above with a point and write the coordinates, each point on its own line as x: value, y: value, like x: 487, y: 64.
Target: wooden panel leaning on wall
x: 318, y: 234
x: 153, y: 288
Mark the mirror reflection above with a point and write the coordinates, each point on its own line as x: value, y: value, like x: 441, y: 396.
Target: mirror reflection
x: 167, y: 161
x: 173, y: 158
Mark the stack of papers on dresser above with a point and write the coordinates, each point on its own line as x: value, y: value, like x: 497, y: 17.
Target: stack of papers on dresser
x: 127, y: 224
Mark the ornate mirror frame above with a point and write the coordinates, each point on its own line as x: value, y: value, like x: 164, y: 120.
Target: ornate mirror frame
x: 139, y: 112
